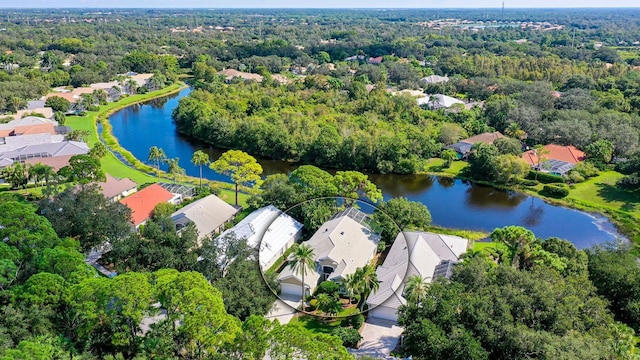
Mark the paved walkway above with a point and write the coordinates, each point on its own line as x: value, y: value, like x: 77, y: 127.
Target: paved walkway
x: 284, y: 308
x: 94, y: 256
x: 379, y: 338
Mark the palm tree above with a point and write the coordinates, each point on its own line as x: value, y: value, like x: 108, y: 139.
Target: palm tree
x: 174, y: 168
x: 300, y: 263
x: 350, y: 283
x: 130, y: 86
x: 99, y: 150
x: 100, y: 95
x: 156, y: 82
x: 200, y: 158
x: 368, y: 281
x: 60, y: 117
x: 416, y: 288
x: 157, y: 154
x: 514, y: 131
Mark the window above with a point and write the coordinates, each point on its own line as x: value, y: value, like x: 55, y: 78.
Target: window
x: 327, y: 269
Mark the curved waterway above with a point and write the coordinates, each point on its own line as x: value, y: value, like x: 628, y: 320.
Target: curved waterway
x: 453, y: 203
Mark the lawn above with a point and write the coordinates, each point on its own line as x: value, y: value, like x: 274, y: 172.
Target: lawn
x: 600, y: 191
x: 315, y: 324
x: 436, y: 166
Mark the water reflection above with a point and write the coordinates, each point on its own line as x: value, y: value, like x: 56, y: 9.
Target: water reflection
x: 481, y: 196
x: 452, y: 202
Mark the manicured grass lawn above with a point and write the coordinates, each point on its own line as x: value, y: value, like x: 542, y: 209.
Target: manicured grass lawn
x: 316, y: 325
x: 436, y: 166
x: 600, y: 191
x: 481, y: 245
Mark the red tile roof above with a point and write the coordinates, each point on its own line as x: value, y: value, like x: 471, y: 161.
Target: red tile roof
x: 568, y: 154
x: 144, y: 201
x: 34, y: 129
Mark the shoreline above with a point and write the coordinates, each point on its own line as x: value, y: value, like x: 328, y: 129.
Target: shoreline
x: 626, y: 223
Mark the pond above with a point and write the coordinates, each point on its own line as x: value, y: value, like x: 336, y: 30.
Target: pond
x: 453, y: 203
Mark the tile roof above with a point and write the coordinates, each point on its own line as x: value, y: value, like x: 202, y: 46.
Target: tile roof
x: 35, y: 129
x: 208, y: 214
x: 569, y: 154
x: 44, y: 149
x: 232, y: 73
x: 487, y: 138
x: 144, y: 201
x: 115, y: 186
x: 56, y: 162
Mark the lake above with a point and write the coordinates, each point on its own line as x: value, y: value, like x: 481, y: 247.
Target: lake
x: 453, y: 203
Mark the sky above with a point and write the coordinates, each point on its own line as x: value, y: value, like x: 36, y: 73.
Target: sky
x: 315, y: 4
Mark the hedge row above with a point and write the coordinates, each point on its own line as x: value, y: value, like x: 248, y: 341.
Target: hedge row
x: 545, y: 178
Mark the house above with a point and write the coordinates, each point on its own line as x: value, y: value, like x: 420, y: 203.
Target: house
x: 270, y: 230
x: 209, y: 214
x: 341, y: 245
x: 438, y: 101
x: 115, y: 189
x: 413, y: 253
x: 46, y: 150
x: 230, y: 74
x: 434, y: 79
x: 47, y: 112
x: 11, y: 143
x: 56, y: 162
x: 144, y: 201
x: 355, y: 58
x: 558, y: 159
x: 375, y: 60
x: 463, y: 147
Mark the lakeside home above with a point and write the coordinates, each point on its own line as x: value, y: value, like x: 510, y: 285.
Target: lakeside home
x: 341, y: 245
x: 424, y: 254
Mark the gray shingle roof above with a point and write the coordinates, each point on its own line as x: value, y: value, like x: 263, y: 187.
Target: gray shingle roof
x: 208, y: 214
x: 47, y: 150
x: 414, y: 253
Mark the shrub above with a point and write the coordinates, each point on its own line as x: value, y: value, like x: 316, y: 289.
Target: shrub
x: 382, y: 246
x: 93, y: 108
x: 556, y: 191
x: 545, y: 178
x: 575, y: 177
x: 313, y: 304
x: 349, y: 336
x: 328, y: 287
x: 586, y: 169
x: 527, y: 182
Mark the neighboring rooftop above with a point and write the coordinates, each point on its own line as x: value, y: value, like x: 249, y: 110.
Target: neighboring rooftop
x: 568, y: 154
x: 486, y: 138
x: 56, y: 162
x: 439, y: 101
x: 229, y: 74
x: 415, y: 253
x: 144, y: 201
x: 208, y: 214
x: 434, y: 79
x: 46, y: 150
x: 113, y: 187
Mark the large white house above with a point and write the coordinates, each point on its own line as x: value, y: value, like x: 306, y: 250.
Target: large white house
x: 413, y: 253
x: 270, y: 230
x: 341, y: 245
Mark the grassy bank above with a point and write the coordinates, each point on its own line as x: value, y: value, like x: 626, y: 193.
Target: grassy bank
x: 139, y: 172
x: 596, y: 195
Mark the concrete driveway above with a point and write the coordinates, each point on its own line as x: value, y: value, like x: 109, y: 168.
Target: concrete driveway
x: 379, y: 338
x: 284, y: 309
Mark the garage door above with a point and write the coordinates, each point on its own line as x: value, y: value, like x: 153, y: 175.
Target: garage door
x: 384, y: 312
x: 290, y: 289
